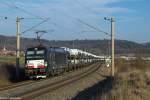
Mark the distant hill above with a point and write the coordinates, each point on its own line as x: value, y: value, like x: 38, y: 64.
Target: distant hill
x: 94, y: 46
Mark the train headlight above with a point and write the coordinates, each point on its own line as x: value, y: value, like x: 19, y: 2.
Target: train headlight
x: 45, y: 63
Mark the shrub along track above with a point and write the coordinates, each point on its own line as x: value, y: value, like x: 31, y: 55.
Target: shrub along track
x: 56, y: 85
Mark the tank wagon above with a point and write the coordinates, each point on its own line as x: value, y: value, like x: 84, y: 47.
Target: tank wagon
x: 41, y: 62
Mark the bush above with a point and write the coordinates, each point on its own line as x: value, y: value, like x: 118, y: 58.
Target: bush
x: 122, y: 65
x: 139, y: 63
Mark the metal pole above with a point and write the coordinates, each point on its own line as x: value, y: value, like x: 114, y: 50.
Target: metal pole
x: 18, y: 47
x: 73, y: 44
x: 113, y: 44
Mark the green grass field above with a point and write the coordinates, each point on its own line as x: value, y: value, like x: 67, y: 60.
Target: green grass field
x: 10, y: 59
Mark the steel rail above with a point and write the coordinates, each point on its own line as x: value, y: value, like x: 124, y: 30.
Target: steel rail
x: 56, y: 85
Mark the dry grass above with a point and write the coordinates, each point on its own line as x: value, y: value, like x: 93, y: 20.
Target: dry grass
x: 8, y: 74
x: 132, y: 81
x: 4, y: 75
x: 7, y: 69
x: 122, y: 65
x: 129, y: 86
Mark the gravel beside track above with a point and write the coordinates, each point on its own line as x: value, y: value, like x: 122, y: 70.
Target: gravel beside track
x: 69, y: 91
x: 16, y: 85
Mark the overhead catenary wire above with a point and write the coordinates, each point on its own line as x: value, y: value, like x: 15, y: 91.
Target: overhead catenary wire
x: 12, y: 5
x: 20, y: 9
x: 90, y: 26
x: 83, y: 22
x: 25, y: 11
x: 35, y: 26
x: 97, y: 29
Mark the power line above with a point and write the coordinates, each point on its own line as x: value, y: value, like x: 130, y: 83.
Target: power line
x: 37, y: 17
x: 12, y: 5
x: 82, y: 22
x: 79, y: 20
x: 20, y: 9
x: 97, y: 29
x: 35, y: 26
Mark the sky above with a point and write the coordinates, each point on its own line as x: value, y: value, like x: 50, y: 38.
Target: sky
x: 132, y: 18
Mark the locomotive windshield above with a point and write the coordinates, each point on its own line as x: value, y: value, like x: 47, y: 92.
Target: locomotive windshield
x: 35, y: 54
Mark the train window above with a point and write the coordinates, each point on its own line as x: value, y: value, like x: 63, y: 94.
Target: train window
x: 35, y: 57
x: 30, y: 52
x: 40, y: 52
x: 29, y: 57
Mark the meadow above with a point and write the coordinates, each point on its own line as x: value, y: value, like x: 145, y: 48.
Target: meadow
x: 10, y: 59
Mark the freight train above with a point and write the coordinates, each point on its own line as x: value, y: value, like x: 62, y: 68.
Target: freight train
x: 42, y: 62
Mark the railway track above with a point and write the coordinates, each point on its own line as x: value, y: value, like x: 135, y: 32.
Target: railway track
x: 16, y: 85
x: 56, y: 85
x: 32, y: 89
x: 19, y: 84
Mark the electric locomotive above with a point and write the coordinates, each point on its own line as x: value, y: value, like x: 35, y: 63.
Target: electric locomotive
x: 41, y: 62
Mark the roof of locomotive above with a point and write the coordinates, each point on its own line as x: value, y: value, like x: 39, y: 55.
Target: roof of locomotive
x: 36, y: 48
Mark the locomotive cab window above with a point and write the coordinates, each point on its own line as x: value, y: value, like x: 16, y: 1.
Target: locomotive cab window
x: 40, y: 52
x: 30, y: 52
x: 35, y: 54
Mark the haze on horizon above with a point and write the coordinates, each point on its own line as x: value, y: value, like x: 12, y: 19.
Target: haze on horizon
x: 132, y: 18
